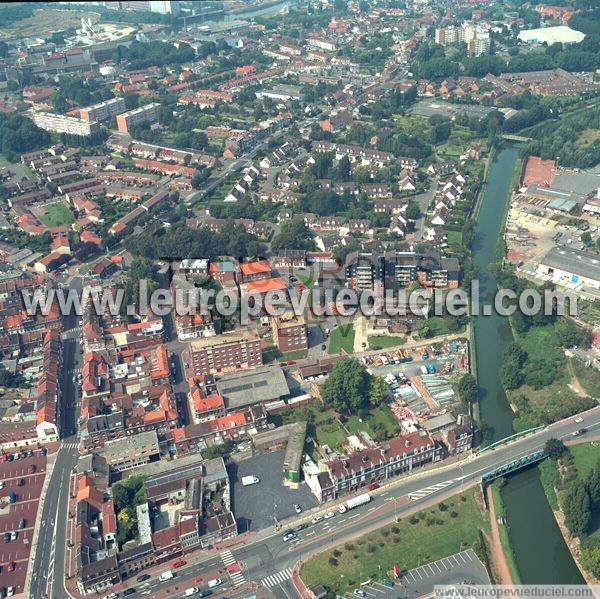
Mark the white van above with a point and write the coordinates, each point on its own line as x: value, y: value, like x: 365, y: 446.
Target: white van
x: 166, y: 575
x: 215, y: 582
x: 250, y: 480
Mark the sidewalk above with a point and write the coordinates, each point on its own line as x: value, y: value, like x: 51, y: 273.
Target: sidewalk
x: 50, y: 459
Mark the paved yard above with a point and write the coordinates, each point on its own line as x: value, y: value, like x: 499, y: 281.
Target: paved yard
x: 257, y: 506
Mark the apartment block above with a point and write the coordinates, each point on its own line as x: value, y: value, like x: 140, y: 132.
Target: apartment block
x: 59, y: 123
x: 103, y: 111
x: 149, y: 113
x: 224, y: 353
x: 289, y: 332
x: 474, y: 35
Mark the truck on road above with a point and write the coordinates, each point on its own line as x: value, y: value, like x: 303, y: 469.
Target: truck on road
x: 250, y: 480
x: 166, y: 575
x: 354, y: 502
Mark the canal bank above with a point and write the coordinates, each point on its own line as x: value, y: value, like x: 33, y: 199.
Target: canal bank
x: 538, y: 547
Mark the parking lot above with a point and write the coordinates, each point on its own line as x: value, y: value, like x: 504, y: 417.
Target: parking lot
x: 260, y: 505
x: 16, y: 476
x: 461, y: 568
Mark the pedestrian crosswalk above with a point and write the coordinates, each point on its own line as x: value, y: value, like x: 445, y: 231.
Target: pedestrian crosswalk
x: 277, y: 578
x: 227, y: 558
x: 432, y: 489
x: 71, y: 445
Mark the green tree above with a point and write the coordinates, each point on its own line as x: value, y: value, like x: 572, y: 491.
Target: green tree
x: 413, y: 212
x: 467, y: 389
x: 592, y: 484
x: 347, y: 388
x: 555, y: 448
x: 590, y: 560
x: 378, y: 391
x: 576, y: 507
x: 292, y: 235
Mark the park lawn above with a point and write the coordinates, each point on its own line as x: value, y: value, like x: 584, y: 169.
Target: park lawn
x: 588, y: 377
x: 438, y: 326
x: 298, y: 354
x: 552, y: 402
x: 585, y: 457
x: 342, y: 338
x: 380, y: 423
x: 383, y: 341
x: 428, y: 536
x: 308, y: 281
x: 550, y: 481
x: 323, y: 424
x: 57, y: 214
x: 454, y: 237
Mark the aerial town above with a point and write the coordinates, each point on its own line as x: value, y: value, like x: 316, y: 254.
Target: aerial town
x: 235, y: 236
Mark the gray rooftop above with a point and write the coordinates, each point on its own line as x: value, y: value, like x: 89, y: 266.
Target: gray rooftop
x: 254, y: 386
x: 573, y: 261
x: 439, y: 422
x: 119, y: 447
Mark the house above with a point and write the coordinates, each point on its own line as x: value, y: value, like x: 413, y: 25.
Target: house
x: 337, y: 122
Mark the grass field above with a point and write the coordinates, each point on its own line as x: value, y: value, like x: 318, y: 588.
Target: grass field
x: 589, y: 378
x: 589, y: 311
x: 552, y: 402
x: 585, y: 457
x: 454, y: 237
x: 342, y: 338
x: 438, y: 326
x: 429, y: 535
x: 383, y: 341
x: 57, y: 214
x: 550, y: 481
x: 503, y: 532
x: 323, y: 424
x: 380, y: 423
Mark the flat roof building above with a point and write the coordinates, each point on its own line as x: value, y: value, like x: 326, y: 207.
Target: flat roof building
x: 60, y: 123
x: 103, y: 110
x: 148, y: 112
x: 247, y: 388
x: 570, y: 268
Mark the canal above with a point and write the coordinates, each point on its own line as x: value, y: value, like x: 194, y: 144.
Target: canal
x: 540, y: 551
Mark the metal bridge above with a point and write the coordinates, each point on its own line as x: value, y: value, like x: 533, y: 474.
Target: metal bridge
x: 510, y: 467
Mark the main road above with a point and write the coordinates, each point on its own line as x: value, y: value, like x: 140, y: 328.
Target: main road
x: 268, y: 559
x: 46, y: 575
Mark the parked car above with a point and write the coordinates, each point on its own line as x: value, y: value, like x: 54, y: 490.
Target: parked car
x: 179, y: 563
x: 373, y: 486
x: 22, y: 523
x: 297, y: 508
x: 360, y: 593
x: 143, y: 577
x: 129, y: 591
x: 11, y: 567
x: 329, y: 515
x: 317, y: 519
